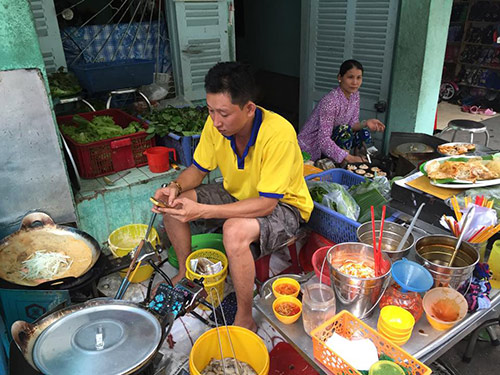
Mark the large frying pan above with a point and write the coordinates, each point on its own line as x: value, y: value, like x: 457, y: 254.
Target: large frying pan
x: 38, y: 231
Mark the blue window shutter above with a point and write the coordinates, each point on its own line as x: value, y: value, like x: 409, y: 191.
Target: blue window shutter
x: 337, y: 30
x: 201, y: 35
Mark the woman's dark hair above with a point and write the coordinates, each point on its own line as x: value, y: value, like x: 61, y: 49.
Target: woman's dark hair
x: 233, y: 78
x: 348, y: 65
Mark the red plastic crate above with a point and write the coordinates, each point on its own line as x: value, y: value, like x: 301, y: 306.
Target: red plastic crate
x: 111, y: 155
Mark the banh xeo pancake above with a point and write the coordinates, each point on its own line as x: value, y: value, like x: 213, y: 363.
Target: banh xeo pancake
x: 23, y: 246
x: 474, y: 169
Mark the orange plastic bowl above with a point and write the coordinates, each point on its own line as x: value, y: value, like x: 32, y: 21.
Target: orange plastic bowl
x: 286, y: 319
x: 282, y: 281
x: 447, y: 296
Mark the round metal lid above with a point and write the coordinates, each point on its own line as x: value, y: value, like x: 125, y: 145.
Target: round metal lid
x: 410, y: 148
x: 105, y: 339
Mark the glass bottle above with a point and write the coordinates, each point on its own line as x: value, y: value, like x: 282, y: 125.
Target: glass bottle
x: 318, y: 305
x: 410, y: 301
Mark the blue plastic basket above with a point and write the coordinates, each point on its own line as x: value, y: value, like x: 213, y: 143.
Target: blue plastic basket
x: 184, y: 146
x: 330, y: 224
x: 107, y: 76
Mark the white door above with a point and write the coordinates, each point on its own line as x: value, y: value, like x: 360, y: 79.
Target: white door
x: 337, y: 30
x: 201, y: 34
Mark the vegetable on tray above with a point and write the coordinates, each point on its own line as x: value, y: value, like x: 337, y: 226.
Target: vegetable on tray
x: 63, y: 84
x: 100, y: 128
x: 184, y: 121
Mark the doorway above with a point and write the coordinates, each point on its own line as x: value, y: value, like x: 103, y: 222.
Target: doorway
x: 268, y: 38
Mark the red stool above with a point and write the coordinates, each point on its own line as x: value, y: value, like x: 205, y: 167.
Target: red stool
x: 262, y: 264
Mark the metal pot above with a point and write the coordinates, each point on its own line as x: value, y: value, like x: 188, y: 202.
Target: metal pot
x: 100, y: 336
x: 434, y: 253
x: 38, y: 231
x: 393, y: 234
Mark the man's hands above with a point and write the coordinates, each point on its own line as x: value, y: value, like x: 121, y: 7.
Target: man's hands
x: 166, y: 195
x: 182, y: 209
x: 375, y: 125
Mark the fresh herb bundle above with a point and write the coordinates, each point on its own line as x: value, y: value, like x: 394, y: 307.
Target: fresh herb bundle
x: 181, y: 121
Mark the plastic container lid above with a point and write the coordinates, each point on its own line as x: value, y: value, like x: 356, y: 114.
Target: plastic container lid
x: 385, y: 368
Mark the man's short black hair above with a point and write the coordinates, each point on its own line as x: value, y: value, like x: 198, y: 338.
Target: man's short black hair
x: 232, y: 78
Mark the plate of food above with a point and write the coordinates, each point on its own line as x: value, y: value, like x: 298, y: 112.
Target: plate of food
x: 463, y: 172
x: 456, y: 148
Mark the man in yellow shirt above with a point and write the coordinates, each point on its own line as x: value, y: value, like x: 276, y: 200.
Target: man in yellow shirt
x: 263, y: 198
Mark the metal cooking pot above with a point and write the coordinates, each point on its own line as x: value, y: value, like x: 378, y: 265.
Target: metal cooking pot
x: 435, y: 252
x: 38, y: 231
x: 100, y: 336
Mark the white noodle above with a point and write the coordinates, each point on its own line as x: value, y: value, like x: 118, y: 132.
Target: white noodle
x: 44, y: 264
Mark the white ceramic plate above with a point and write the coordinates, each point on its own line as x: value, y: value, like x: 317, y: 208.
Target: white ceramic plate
x: 459, y: 184
x: 455, y: 144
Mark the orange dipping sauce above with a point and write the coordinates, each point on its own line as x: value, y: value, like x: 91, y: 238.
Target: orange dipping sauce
x: 287, y: 309
x: 446, y: 310
x: 286, y: 289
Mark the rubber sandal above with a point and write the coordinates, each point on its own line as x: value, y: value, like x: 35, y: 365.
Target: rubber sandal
x: 465, y: 108
x: 474, y: 109
x: 489, y: 112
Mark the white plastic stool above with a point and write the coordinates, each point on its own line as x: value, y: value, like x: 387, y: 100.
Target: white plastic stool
x: 472, y: 127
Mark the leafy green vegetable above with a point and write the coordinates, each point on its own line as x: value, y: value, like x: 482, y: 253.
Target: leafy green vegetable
x: 334, y: 196
x: 101, y: 127
x: 63, y: 84
x: 181, y: 121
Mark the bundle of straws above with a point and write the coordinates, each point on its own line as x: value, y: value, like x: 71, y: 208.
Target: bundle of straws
x: 481, y: 234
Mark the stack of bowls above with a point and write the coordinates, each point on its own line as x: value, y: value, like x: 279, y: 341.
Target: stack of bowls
x: 395, y: 324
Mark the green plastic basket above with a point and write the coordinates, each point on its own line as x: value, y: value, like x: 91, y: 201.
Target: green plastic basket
x: 199, y: 241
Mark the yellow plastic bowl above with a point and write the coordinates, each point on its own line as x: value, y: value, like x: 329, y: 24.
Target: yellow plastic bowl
x: 395, y: 335
x: 125, y: 239
x: 286, y: 280
x: 396, y: 319
x: 437, y: 294
x: 283, y: 318
x: 248, y: 347
x: 396, y: 339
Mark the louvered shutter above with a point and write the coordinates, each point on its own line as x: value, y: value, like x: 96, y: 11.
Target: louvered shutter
x: 49, y: 37
x: 337, y: 30
x: 201, y: 35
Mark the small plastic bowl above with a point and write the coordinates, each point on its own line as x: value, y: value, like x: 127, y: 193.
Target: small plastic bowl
x: 284, y: 318
x: 286, y: 280
x: 437, y: 294
x: 396, y: 319
x: 381, y: 327
x: 396, y: 339
x: 385, y: 367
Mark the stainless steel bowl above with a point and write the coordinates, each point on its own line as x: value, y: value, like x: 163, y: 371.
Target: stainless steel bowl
x: 434, y: 253
x: 393, y: 234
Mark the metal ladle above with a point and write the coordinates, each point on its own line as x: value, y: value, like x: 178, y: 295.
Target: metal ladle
x: 410, y: 228
x: 461, y: 237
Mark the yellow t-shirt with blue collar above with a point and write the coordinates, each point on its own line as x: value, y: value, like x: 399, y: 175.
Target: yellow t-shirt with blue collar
x: 271, y: 165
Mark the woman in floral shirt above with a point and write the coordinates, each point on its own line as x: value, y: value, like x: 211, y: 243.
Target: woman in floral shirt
x: 333, y: 128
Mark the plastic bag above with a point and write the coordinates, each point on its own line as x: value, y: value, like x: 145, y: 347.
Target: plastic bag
x: 334, y: 196
x: 489, y: 193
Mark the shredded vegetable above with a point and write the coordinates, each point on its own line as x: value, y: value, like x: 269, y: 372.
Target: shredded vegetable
x: 45, y: 265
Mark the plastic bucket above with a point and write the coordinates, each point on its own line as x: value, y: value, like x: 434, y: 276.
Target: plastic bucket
x: 125, y: 239
x: 158, y: 158
x: 199, y: 241
x: 214, y: 284
x: 248, y: 347
x: 357, y: 295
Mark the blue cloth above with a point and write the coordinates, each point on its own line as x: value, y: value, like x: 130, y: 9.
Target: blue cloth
x: 346, y: 138
x: 75, y: 40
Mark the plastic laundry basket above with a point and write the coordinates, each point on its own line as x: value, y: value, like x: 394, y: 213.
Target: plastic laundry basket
x: 125, y: 239
x: 214, y: 284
